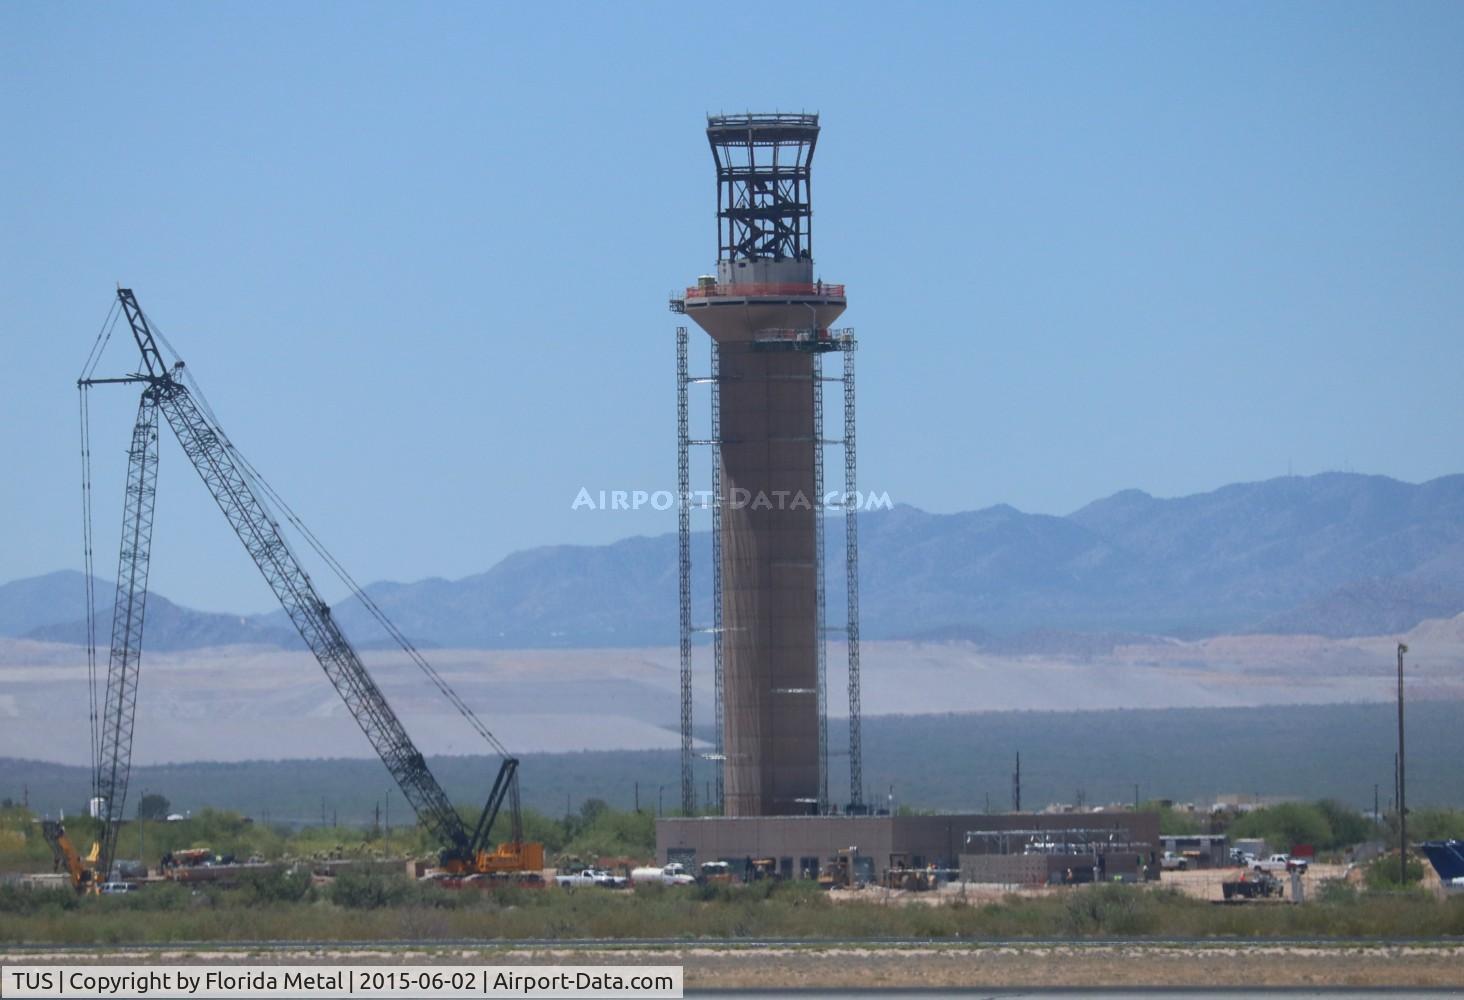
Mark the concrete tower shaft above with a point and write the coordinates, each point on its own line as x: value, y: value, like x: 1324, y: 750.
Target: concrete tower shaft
x: 768, y: 317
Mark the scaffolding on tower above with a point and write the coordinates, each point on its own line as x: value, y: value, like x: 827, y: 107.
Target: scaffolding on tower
x: 815, y: 344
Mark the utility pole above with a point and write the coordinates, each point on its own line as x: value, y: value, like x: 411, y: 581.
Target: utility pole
x: 1393, y: 804
x: 1377, y: 818
x: 1136, y: 796
x: 637, y: 796
x: 988, y: 803
x: 1017, y: 785
x: 1402, y: 782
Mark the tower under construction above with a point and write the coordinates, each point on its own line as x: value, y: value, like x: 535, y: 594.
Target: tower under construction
x: 769, y: 319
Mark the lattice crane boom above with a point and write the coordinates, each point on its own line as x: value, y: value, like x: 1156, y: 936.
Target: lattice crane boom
x: 233, y: 488
x: 119, y: 709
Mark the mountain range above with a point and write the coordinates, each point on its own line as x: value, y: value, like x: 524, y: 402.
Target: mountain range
x: 1336, y: 554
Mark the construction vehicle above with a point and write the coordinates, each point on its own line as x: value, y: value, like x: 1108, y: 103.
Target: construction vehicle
x: 763, y: 869
x: 1256, y: 885
x: 838, y: 872
x: 674, y: 873
x: 901, y: 875
x: 252, y: 509
x: 66, y: 855
x: 911, y: 879
x: 1278, y: 863
x: 715, y: 873
x: 590, y: 877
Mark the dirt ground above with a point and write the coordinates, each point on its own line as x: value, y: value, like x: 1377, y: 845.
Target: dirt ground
x: 1201, y: 884
x: 1205, y: 883
x: 912, y: 966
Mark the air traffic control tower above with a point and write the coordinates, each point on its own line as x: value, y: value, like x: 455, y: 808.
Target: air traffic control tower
x: 769, y: 318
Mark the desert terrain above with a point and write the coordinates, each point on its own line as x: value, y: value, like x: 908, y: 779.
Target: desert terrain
x: 211, y: 703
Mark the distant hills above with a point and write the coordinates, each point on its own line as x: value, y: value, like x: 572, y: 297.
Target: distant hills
x: 169, y: 626
x: 1337, y: 554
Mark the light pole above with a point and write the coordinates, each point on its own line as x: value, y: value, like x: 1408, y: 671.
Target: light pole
x: 660, y: 790
x: 1402, y: 788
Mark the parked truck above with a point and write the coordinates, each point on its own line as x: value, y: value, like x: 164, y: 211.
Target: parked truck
x: 1279, y: 863
x: 588, y: 877
x: 673, y: 874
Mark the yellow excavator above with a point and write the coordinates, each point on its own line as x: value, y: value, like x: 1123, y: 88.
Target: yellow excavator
x: 82, y: 870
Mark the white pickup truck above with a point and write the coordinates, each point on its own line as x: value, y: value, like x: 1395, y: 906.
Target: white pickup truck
x: 1278, y: 863
x: 673, y: 874
x: 589, y: 877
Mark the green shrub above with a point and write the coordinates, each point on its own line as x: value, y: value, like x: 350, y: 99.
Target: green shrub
x: 365, y: 907
x: 1381, y: 874
x: 277, y: 885
x: 14, y: 899
x: 153, y: 898
x: 1172, y: 821
x: 1110, y: 909
x: 798, y: 892
x: 1336, y: 892
x: 371, y: 891
x: 1435, y: 824
x: 1284, y: 826
x: 1348, y: 826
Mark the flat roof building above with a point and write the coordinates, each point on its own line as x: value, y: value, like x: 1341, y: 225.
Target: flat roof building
x: 800, y: 845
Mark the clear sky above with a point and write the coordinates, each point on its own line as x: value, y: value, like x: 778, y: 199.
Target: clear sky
x: 418, y: 255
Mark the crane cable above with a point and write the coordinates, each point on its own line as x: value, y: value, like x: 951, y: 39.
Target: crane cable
x: 366, y: 600
x: 91, y: 601
x: 270, y: 494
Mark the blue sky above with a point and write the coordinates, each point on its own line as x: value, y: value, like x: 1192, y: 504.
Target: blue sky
x: 418, y: 255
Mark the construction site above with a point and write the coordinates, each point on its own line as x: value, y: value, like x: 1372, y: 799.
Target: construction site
x: 766, y: 809
x: 769, y: 810
x: 732, y: 501
x: 754, y: 813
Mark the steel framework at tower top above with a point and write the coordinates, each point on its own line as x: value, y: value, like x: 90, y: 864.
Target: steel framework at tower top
x: 844, y: 342
x: 764, y: 180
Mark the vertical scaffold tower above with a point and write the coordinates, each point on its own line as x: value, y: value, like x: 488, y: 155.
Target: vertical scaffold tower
x: 769, y: 321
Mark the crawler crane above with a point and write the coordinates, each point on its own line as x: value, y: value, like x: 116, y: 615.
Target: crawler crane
x: 245, y: 499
